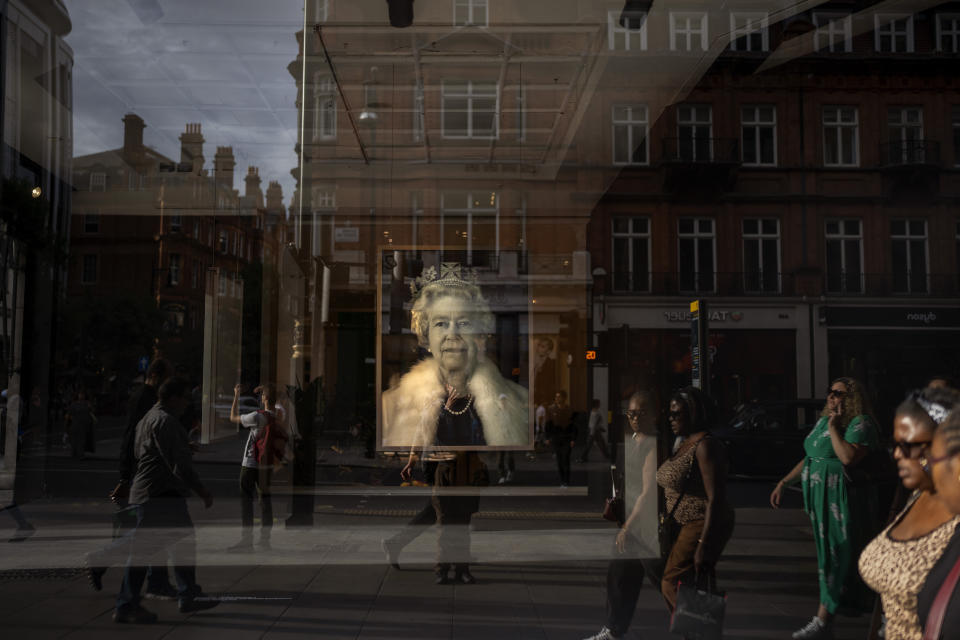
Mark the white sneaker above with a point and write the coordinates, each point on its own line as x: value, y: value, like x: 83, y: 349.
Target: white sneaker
x: 503, y: 480
x: 816, y: 629
x: 509, y: 476
x: 604, y: 634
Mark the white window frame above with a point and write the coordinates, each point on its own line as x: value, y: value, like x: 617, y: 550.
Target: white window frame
x: 175, y: 265
x: 98, y: 181
x: 759, y: 236
x: 952, y: 31
x: 907, y: 237
x: 85, y: 277
x: 470, y: 212
x: 695, y: 236
x: 758, y: 124
x: 694, y: 122
x: 323, y: 10
x: 688, y: 32
x: 470, y: 8
x: 630, y: 236
x: 325, y: 108
x: 324, y: 197
x: 906, y: 154
x: 745, y: 24
x: 841, y: 237
x: 626, y: 36
x: 836, y: 126
x: 885, y: 26
x: 470, y: 96
x: 638, y: 115
x: 828, y: 26
x: 91, y: 223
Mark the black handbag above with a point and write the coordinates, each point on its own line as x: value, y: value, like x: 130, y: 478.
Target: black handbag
x: 613, y: 507
x: 700, y: 612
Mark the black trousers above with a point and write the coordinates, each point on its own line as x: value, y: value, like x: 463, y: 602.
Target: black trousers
x: 625, y: 575
x: 252, y: 482
x: 564, y: 451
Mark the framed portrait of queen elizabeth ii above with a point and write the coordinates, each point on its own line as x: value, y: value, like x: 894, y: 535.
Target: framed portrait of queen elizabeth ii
x: 449, y: 374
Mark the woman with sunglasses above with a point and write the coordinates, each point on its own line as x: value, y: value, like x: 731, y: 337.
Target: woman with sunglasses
x: 896, y: 563
x: 636, y: 554
x: 842, y: 515
x: 694, y: 481
x: 944, y: 464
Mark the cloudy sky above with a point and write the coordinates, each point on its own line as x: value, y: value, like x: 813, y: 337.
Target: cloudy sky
x: 222, y: 64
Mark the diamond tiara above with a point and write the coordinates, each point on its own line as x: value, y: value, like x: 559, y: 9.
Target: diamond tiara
x: 452, y: 274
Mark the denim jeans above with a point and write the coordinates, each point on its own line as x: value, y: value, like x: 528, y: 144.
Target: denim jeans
x: 164, y: 532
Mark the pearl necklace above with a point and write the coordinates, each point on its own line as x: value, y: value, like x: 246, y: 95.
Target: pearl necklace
x: 462, y: 411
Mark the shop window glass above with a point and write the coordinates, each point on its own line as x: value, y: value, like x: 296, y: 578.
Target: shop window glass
x: 469, y: 110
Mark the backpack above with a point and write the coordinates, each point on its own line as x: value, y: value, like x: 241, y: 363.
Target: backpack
x: 270, y: 446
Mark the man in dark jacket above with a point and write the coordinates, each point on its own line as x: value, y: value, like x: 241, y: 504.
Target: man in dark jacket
x: 142, y: 400
x: 164, y: 477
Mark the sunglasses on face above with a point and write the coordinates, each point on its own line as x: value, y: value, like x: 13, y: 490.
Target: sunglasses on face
x: 838, y: 393
x: 909, y: 450
x: 634, y: 414
x: 675, y: 415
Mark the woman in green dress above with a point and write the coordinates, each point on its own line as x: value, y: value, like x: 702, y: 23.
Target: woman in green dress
x: 843, y: 515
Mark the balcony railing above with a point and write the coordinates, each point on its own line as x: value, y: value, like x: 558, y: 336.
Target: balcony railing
x: 903, y: 283
x: 782, y: 284
x: 904, y: 153
x: 691, y: 150
x: 734, y: 283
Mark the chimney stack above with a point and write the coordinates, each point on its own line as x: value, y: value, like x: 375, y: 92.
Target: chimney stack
x: 252, y: 191
x: 275, y: 197
x: 133, y: 127
x: 191, y: 147
x: 223, y: 164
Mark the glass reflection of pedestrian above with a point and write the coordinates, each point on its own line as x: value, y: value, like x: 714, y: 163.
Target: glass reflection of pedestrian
x: 595, y: 433
x: 561, y: 434
x: 635, y: 553
x: 454, y: 512
x: 82, y: 420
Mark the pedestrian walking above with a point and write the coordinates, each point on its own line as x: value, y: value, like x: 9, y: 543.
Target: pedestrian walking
x: 561, y: 434
x: 164, y: 478
x: 141, y: 401
x: 426, y: 517
x: 896, y: 563
x: 635, y: 554
x: 596, y: 433
x: 265, y: 446
x: 843, y: 514
x: 694, y: 481
x: 943, y: 462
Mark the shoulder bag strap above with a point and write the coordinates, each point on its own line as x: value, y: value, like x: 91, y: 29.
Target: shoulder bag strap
x: 686, y: 479
x: 939, y: 608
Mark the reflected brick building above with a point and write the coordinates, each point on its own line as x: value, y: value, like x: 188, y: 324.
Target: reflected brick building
x: 151, y: 230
